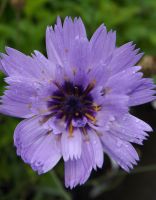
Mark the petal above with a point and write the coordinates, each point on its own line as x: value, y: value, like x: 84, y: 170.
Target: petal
x: 79, y: 122
x: 102, y: 45
x: 96, y: 147
x: 142, y: 92
x: 2, y: 68
x: 115, y: 103
x: 76, y: 172
x: 36, y: 145
x: 103, y: 119
x: 18, y: 64
x: 60, y: 40
x: 71, y: 145
x: 130, y: 128
x: 120, y: 151
x: 25, y: 97
x: 47, y: 68
x: 127, y: 78
x: 124, y: 57
x: 17, y: 100
x: 52, y: 53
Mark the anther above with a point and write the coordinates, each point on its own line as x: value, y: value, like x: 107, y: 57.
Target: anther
x: 90, y: 117
x: 55, y: 97
x: 90, y: 87
x: 76, y: 91
x: 96, y: 107
x: 71, y: 130
x: 85, y: 134
x: 59, y: 86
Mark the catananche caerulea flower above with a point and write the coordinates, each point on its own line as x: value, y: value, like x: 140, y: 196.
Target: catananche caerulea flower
x: 75, y: 103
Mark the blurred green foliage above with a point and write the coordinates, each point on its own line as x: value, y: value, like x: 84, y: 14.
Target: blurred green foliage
x: 22, y: 26
x: 23, y: 22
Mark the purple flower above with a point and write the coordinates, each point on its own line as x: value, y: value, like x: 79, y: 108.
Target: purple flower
x: 76, y: 102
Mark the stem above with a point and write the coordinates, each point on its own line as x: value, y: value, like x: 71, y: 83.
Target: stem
x: 59, y: 185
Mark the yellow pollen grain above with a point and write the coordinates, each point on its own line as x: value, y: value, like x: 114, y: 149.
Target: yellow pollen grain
x: 76, y: 114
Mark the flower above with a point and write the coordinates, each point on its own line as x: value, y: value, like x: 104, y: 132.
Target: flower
x: 76, y: 102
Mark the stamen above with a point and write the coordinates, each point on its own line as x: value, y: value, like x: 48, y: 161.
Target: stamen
x: 54, y: 107
x: 98, y: 133
x: 84, y: 131
x: 85, y: 134
x: 52, y: 97
x: 47, y: 98
x: 59, y: 87
x: 45, y: 119
x: 68, y: 88
x: 90, y: 117
x: 90, y: 87
x: 73, y: 102
x: 70, y: 130
x: 74, y: 71
x: 49, y: 109
x: 88, y: 102
x: 96, y: 107
x: 56, y: 97
x: 76, y: 91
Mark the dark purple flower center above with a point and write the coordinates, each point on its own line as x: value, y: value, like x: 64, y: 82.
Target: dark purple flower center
x: 71, y: 101
x: 72, y: 105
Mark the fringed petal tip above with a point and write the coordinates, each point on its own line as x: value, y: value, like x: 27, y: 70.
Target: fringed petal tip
x: 36, y: 146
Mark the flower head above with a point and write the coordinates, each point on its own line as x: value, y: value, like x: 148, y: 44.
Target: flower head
x: 76, y: 102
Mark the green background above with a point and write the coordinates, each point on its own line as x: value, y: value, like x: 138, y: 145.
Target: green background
x: 22, y: 26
